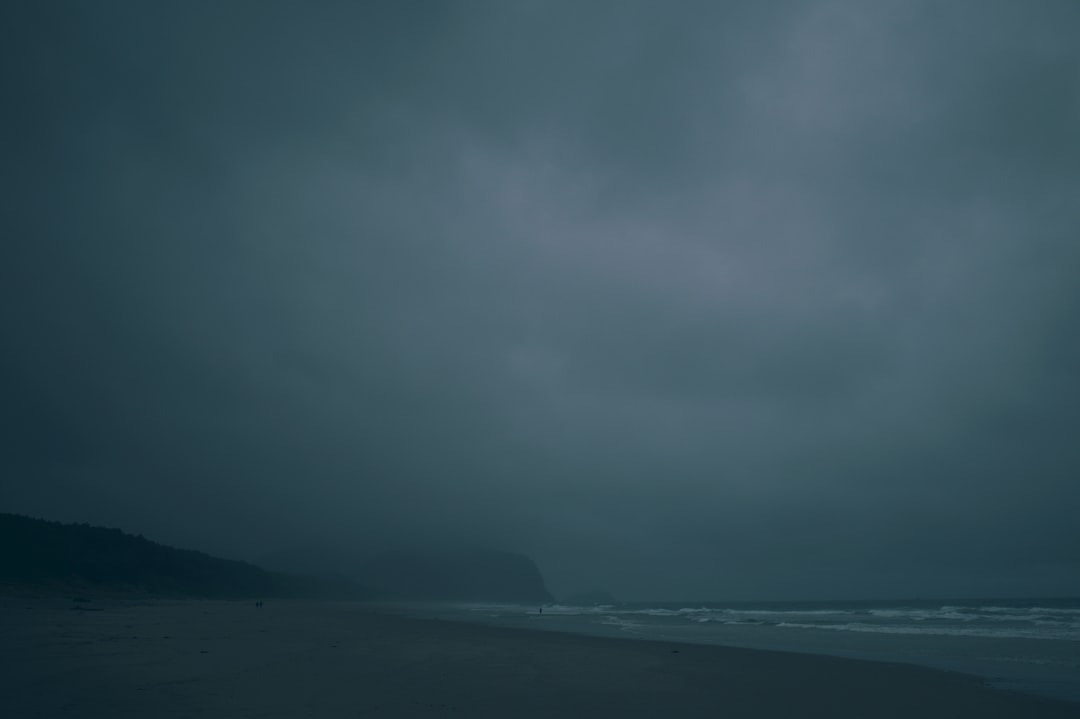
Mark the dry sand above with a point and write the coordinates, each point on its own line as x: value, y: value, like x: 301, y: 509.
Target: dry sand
x: 300, y: 659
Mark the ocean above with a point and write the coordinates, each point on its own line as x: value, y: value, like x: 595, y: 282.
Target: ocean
x: 1028, y: 645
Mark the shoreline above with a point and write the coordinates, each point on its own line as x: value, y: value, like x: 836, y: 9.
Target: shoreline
x: 1040, y: 667
x: 329, y: 659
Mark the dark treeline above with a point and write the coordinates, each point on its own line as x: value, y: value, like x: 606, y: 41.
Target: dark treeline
x: 41, y: 554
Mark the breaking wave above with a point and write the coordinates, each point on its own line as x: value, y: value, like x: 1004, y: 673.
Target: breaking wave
x: 1037, y: 619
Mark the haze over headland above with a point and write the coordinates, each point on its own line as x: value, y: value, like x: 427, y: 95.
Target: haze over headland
x: 734, y: 300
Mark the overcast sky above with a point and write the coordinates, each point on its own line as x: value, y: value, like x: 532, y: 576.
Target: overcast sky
x: 682, y: 299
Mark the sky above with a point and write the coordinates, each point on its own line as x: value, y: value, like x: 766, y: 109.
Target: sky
x: 717, y: 300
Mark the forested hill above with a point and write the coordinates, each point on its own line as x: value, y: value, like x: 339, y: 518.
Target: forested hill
x: 42, y: 555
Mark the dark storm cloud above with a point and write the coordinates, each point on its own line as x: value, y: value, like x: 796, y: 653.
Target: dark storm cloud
x: 713, y: 299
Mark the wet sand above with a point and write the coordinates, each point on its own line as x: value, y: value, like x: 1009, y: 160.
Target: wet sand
x: 307, y: 659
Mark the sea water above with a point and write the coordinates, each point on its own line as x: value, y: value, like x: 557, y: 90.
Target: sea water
x: 1029, y: 645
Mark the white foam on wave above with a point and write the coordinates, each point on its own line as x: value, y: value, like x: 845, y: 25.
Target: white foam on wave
x: 572, y: 611
x: 787, y: 612
x: 683, y: 612
x: 945, y: 620
x: 1031, y: 610
x: 1005, y: 633
x: 619, y: 622
x: 654, y: 612
x: 1056, y: 610
x: 1063, y: 617
x: 922, y: 615
x: 734, y: 622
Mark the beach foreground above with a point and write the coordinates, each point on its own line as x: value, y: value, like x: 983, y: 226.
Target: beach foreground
x: 307, y: 659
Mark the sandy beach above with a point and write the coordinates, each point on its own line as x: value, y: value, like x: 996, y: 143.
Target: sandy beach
x: 303, y: 659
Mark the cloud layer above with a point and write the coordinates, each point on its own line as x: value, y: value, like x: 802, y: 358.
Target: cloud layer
x: 700, y: 299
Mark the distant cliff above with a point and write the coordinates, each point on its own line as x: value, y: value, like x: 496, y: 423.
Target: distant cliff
x: 41, y: 555
x: 455, y: 576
